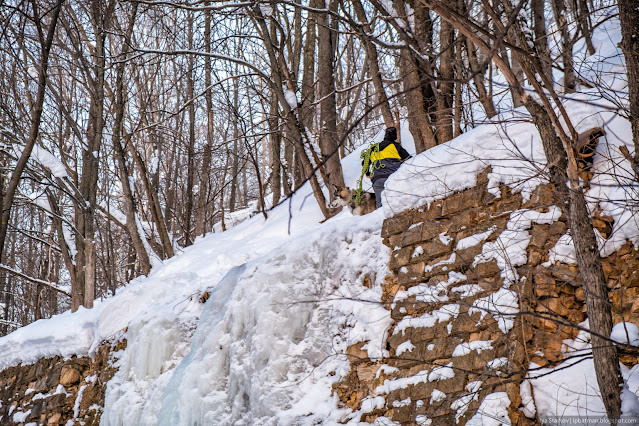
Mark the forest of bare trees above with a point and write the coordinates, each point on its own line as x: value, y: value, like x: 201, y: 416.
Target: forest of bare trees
x: 129, y: 128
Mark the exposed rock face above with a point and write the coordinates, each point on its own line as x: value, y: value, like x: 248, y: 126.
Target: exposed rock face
x: 465, y: 330
x: 54, y: 391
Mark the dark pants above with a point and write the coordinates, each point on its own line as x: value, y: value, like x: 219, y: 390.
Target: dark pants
x: 378, y: 187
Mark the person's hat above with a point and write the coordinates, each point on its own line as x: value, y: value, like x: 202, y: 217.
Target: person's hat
x: 391, y: 133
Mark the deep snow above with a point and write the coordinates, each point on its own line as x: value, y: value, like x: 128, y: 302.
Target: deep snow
x: 287, y: 295
x: 286, y: 300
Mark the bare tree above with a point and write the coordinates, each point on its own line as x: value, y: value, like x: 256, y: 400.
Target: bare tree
x: 563, y: 174
x: 629, y: 18
x: 327, y: 38
x: 132, y: 220
x: 46, y: 41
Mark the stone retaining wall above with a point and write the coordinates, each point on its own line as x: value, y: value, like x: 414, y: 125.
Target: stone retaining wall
x: 449, y: 348
x: 57, y: 391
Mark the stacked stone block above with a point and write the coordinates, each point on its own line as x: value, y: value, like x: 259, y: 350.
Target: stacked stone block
x: 469, y: 346
x: 57, y: 391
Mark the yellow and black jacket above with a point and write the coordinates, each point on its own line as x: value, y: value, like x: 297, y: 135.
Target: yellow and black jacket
x: 385, y: 161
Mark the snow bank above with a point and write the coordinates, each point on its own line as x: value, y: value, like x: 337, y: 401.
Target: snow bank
x: 167, y: 292
x: 65, y: 334
x: 493, y: 411
x: 512, y: 148
x: 276, y: 327
x: 625, y: 333
x: 287, y: 286
x: 571, y: 390
x: 513, y: 151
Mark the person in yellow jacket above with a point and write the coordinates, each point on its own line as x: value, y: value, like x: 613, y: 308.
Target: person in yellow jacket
x: 385, y: 161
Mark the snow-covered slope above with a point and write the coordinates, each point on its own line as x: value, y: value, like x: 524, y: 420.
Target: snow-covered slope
x: 286, y: 299
x: 272, y: 328
x: 513, y: 149
x: 175, y: 284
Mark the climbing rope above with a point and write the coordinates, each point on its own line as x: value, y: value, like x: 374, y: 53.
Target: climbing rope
x: 366, y: 155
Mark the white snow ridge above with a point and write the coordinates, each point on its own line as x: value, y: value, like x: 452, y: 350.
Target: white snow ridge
x: 267, y: 339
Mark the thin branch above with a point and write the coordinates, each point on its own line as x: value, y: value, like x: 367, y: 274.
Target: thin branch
x: 52, y: 286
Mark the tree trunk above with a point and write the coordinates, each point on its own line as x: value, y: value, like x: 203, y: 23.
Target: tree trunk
x: 89, y: 272
x: 571, y: 196
x: 458, y: 90
x: 275, y: 152
x: 559, y: 10
x: 36, y: 117
x: 297, y: 131
x: 170, y: 187
x: 629, y: 18
x: 419, y: 123
x: 560, y: 159
x: 190, y: 153
x: 485, y: 98
x: 584, y: 25
x: 373, y: 63
x: 514, y: 90
x: 598, y: 304
x: 57, y: 224
x: 127, y: 193
x: 445, y: 85
x: 328, y: 139
x: 289, y: 168
x: 101, y: 14
x: 234, y: 169
x: 419, y: 89
x: 541, y: 36
x: 307, y: 112
x: 154, y: 203
x: 129, y: 201
x: 202, y: 205
x: 235, y: 154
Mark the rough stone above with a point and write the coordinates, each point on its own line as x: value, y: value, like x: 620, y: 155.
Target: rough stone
x: 460, y: 201
x: 546, y: 289
x: 487, y: 269
x: 430, y: 350
x: 566, y: 273
x: 412, y: 275
x: 356, y: 354
x: 464, y: 221
x: 395, y: 241
x: 44, y: 377
x: 395, y: 225
x: 69, y: 376
x: 434, y: 248
x: 54, y: 419
x: 538, y: 236
x: 412, y: 235
x: 506, y: 205
x: 432, y: 229
x: 579, y: 294
x: 400, y: 258
x: 366, y: 372
x: 543, y: 195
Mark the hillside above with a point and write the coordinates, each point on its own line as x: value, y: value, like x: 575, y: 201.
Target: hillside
x: 267, y: 322
x: 269, y: 281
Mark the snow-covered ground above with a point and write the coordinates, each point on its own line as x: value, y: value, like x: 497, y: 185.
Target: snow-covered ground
x: 287, y: 294
x: 286, y: 300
